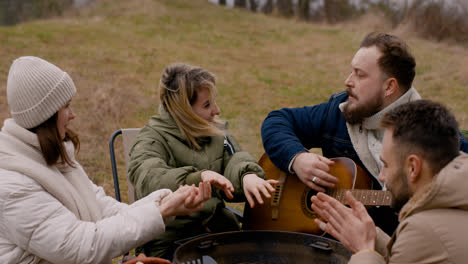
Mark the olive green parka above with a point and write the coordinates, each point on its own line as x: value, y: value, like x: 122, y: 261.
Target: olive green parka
x: 162, y: 158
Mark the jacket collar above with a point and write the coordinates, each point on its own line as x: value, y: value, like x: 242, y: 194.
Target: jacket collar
x: 373, y: 122
x: 446, y: 190
x: 367, y: 137
x: 165, y: 122
x: 20, y: 152
x: 10, y: 127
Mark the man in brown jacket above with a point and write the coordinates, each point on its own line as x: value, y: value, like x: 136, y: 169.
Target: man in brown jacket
x: 428, y: 178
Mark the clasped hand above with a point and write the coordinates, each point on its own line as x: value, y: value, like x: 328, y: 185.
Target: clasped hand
x: 254, y: 186
x: 219, y: 181
x: 186, y: 200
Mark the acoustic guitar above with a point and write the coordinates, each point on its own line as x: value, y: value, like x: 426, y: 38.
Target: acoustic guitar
x: 290, y: 209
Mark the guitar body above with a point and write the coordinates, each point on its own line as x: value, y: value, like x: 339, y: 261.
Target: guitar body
x: 289, y: 209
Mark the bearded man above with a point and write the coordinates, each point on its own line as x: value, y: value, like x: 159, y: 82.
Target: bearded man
x: 348, y: 125
x: 426, y: 174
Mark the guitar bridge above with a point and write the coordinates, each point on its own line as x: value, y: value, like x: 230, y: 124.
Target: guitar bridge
x: 277, y: 196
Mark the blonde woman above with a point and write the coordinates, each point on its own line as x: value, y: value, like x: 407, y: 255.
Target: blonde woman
x: 187, y: 144
x: 51, y: 212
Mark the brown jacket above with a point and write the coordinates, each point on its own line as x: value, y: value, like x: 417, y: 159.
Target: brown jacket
x: 433, y: 224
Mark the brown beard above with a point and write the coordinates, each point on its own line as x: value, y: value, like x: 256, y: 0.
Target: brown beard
x: 357, y: 115
x: 403, y: 195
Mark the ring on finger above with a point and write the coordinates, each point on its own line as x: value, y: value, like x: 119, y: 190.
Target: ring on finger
x: 314, y: 179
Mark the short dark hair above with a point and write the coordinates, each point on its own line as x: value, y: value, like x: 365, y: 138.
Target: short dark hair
x: 396, y: 60
x: 426, y: 128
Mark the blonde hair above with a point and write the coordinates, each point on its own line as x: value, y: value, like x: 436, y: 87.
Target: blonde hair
x: 178, y: 89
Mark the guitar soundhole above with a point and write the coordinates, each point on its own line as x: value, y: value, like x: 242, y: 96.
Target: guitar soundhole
x: 306, y: 204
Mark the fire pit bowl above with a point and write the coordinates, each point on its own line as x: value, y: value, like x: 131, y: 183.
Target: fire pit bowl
x: 275, y: 247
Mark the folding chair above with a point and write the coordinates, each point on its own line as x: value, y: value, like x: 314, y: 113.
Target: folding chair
x: 128, y: 135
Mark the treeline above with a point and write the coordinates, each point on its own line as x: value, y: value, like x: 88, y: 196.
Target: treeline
x: 16, y: 11
x: 434, y: 19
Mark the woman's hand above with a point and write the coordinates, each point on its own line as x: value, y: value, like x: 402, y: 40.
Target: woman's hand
x: 255, y: 186
x: 219, y: 181
x: 186, y: 200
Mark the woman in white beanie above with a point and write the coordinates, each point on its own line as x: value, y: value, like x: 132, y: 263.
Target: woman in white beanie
x: 50, y: 212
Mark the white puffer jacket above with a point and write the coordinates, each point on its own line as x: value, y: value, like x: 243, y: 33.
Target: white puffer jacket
x: 35, y: 227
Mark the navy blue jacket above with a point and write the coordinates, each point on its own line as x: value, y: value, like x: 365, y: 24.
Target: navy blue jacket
x: 288, y: 131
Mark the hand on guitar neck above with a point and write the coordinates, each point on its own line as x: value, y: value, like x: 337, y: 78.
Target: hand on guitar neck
x: 313, y: 170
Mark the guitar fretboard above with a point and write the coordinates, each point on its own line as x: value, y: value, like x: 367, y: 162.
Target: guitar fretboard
x: 367, y: 197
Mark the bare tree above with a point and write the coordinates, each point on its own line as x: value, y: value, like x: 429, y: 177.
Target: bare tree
x: 329, y: 10
x: 268, y: 7
x: 253, y: 5
x: 438, y: 19
x: 16, y: 11
x: 285, y: 7
x: 240, y: 3
x: 303, y: 9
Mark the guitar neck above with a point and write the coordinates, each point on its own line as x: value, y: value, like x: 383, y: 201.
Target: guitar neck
x: 366, y: 197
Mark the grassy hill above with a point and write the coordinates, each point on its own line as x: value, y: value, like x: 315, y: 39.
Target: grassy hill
x: 116, y: 50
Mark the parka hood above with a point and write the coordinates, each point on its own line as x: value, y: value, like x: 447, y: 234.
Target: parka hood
x: 166, y: 123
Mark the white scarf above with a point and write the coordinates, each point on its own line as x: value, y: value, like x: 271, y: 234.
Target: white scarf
x: 367, y: 137
x: 20, y: 152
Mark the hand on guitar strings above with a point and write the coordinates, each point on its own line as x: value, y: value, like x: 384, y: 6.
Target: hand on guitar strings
x: 353, y: 227
x: 256, y: 187
x: 312, y: 169
x: 219, y: 181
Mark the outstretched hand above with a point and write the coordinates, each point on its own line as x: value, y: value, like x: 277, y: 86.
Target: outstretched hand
x: 256, y: 187
x: 312, y: 169
x: 353, y: 227
x: 186, y: 200
x: 219, y: 181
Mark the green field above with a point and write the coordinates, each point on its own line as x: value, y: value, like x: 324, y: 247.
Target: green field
x: 116, y: 50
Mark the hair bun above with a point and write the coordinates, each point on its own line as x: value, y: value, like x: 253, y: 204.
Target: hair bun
x: 171, y: 74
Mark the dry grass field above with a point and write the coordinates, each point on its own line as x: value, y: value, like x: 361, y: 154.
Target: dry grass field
x: 116, y: 50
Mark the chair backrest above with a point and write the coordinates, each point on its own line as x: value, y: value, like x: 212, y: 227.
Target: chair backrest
x: 128, y: 136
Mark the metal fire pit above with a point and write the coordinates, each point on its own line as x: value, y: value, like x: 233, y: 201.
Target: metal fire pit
x: 276, y: 247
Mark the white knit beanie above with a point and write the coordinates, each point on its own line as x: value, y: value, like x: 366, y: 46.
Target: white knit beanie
x: 36, y: 90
